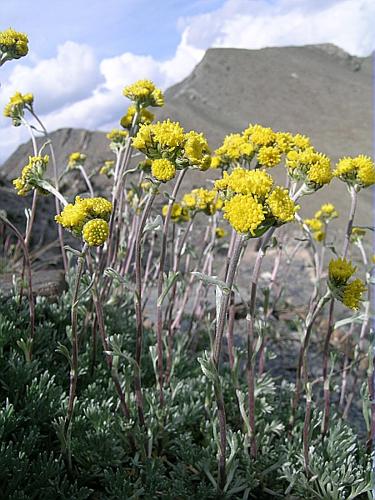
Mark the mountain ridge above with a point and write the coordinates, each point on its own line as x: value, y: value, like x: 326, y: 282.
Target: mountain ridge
x: 317, y: 90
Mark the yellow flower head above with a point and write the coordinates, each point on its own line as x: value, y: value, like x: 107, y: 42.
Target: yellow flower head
x: 144, y: 117
x: 269, y: 156
x: 202, y: 200
x: 352, y: 294
x: 30, y: 174
x: 163, y: 170
x: 244, y: 213
x: 220, y: 232
x: 319, y: 235
x: 319, y: 172
x: 95, y: 232
x: 234, y: 148
x: 242, y: 181
x: 340, y: 270
x: 314, y: 224
x: 301, y: 141
x: 168, y: 134
x: 74, y: 216
x: 259, y: 136
x: 144, y: 93
x: 16, y: 106
x: 179, y: 213
x: 107, y: 168
x: 160, y: 140
x: 312, y: 167
x: 13, y: 45
x: 359, y: 171
x: 281, y: 205
x: 215, y: 162
x: 118, y: 137
x: 284, y: 141
x: 358, y: 233
x: 197, y: 150
x: 76, y: 159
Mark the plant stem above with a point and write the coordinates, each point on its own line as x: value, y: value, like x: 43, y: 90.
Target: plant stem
x: 28, y: 269
x: 325, y: 422
x: 303, y: 350
x: 74, y: 360
x: 250, y: 364
x: 159, y: 310
x: 138, y: 307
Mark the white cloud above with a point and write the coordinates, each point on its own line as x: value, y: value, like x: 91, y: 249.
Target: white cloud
x: 66, y: 78
x: 74, y: 90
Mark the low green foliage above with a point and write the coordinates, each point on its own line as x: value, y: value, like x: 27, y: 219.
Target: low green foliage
x: 112, y: 458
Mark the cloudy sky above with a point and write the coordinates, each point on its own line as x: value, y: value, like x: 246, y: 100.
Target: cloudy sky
x: 83, y: 52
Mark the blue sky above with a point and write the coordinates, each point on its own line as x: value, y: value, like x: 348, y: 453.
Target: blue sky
x: 112, y: 26
x: 83, y: 52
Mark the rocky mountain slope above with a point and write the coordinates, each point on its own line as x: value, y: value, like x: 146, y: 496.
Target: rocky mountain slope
x: 320, y: 91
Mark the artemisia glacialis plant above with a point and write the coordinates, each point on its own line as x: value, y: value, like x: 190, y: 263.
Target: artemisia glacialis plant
x: 141, y: 243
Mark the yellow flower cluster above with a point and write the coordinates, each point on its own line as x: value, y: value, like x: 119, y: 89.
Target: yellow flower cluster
x: 167, y: 140
x: 327, y: 212
x: 220, y: 232
x: 235, y: 148
x: 242, y: 181
x: 13, y: 45
x: 252, y: 204
x: 310, y: 166
x: 357, y: 234
x: 281, y: 205
x: 95, y: 232
x: 16, y: 106
x: 144, y: 93
x: 145, y: 117
x: 179, y: 213
x: 349, y: 293
x: 118, y: 137
x: 30, y: 174
x: 163, y: 170
x: 76, y: 159
x: 87, y: 217
x: 202, y: 200
x: 107, y: 168
x: 259, y: 135
x: 340, y: 270
x: 158, y: 138
x: 352, y: 294
x: 196, y: 150
x: 323, y: 216
x: 358, y: 171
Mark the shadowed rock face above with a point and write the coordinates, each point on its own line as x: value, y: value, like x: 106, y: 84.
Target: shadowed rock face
x: 319, y: 90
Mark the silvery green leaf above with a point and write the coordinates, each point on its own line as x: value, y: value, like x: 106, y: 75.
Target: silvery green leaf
x: 218, y: 296
x: 112, y: 273
x: 347, y: 321
x: 75, y: 252
x: 212, y: 280
x: 171, y: 280
x: 154, y: 225
x: 208, y: 368
x: 62, y: 349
